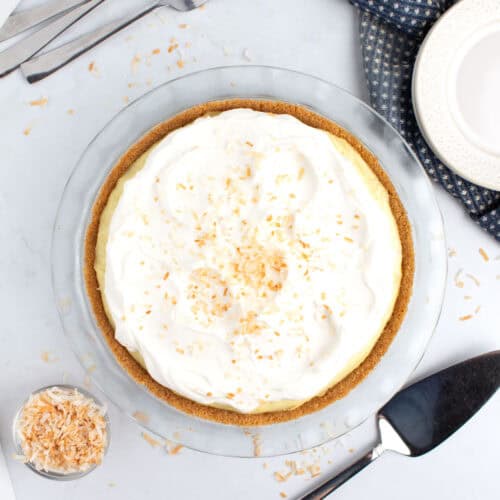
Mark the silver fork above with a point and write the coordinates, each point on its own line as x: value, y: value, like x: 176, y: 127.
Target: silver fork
x: 11, y: 58
x: 44, y: 65
x: 26, y: 19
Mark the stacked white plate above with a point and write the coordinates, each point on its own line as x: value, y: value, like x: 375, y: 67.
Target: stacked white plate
x: 456, y: 90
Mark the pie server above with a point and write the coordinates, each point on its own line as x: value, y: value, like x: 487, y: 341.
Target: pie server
x: 423, y: 415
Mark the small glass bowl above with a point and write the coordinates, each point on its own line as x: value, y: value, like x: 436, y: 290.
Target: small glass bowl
x: 256, y: 82
x: 59, y: 476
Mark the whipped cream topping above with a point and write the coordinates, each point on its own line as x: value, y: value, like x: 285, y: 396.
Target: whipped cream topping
x: 252, y: 261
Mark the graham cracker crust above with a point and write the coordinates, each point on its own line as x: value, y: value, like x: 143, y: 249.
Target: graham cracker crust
x: 139, y: 374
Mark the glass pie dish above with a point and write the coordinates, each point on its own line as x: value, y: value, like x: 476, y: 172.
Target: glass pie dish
x: 256, y: 82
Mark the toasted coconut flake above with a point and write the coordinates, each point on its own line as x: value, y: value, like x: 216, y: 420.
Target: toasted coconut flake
x: 141, y: 417
x: 42, y: 102
x: 484, y: 255
x: 47, y: 357
x: 474, y: 279
x: 150, y: 440
x: 457, y: 279
x: 175, y: 450
x: 61, y: 430
x: 283, y: 494
x: 314, y: 470
x: 136, y: 60
x: 281, y: 477
x: 257, y: 445
x: 466, y: 317
x: 172, y: 448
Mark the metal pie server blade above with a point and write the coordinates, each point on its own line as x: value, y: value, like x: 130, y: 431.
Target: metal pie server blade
x: 423, y: 415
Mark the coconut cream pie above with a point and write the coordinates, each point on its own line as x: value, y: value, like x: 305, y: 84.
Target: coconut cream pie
x: 248, y: 261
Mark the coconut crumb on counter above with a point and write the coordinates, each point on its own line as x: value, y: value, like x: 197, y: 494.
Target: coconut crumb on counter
x: 47, y: 357
x: 474, y: 279
x: 314, y: 470
x: 27, y: 131
x: 172, y: 448
x: 134, y: 64
x: 281, y: 477
x: 141, y: 417
x: 452, y: 252
x: 483, y: 254
x: 457, y: 279
x: 61, y: 430
x: 257, y: 443
x: 308, y: 468
x: 42, y: 102
x: 150, y: 440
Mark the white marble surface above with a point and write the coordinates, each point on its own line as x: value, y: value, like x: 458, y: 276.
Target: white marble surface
x: 318, y: 37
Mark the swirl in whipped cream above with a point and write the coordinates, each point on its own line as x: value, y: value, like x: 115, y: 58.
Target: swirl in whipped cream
x: 252, y: 261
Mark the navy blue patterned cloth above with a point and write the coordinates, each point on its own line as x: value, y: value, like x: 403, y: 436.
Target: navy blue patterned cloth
x: 391, y: 33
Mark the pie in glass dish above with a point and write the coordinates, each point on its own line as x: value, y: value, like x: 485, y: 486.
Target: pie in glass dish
x: 248, y: 261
